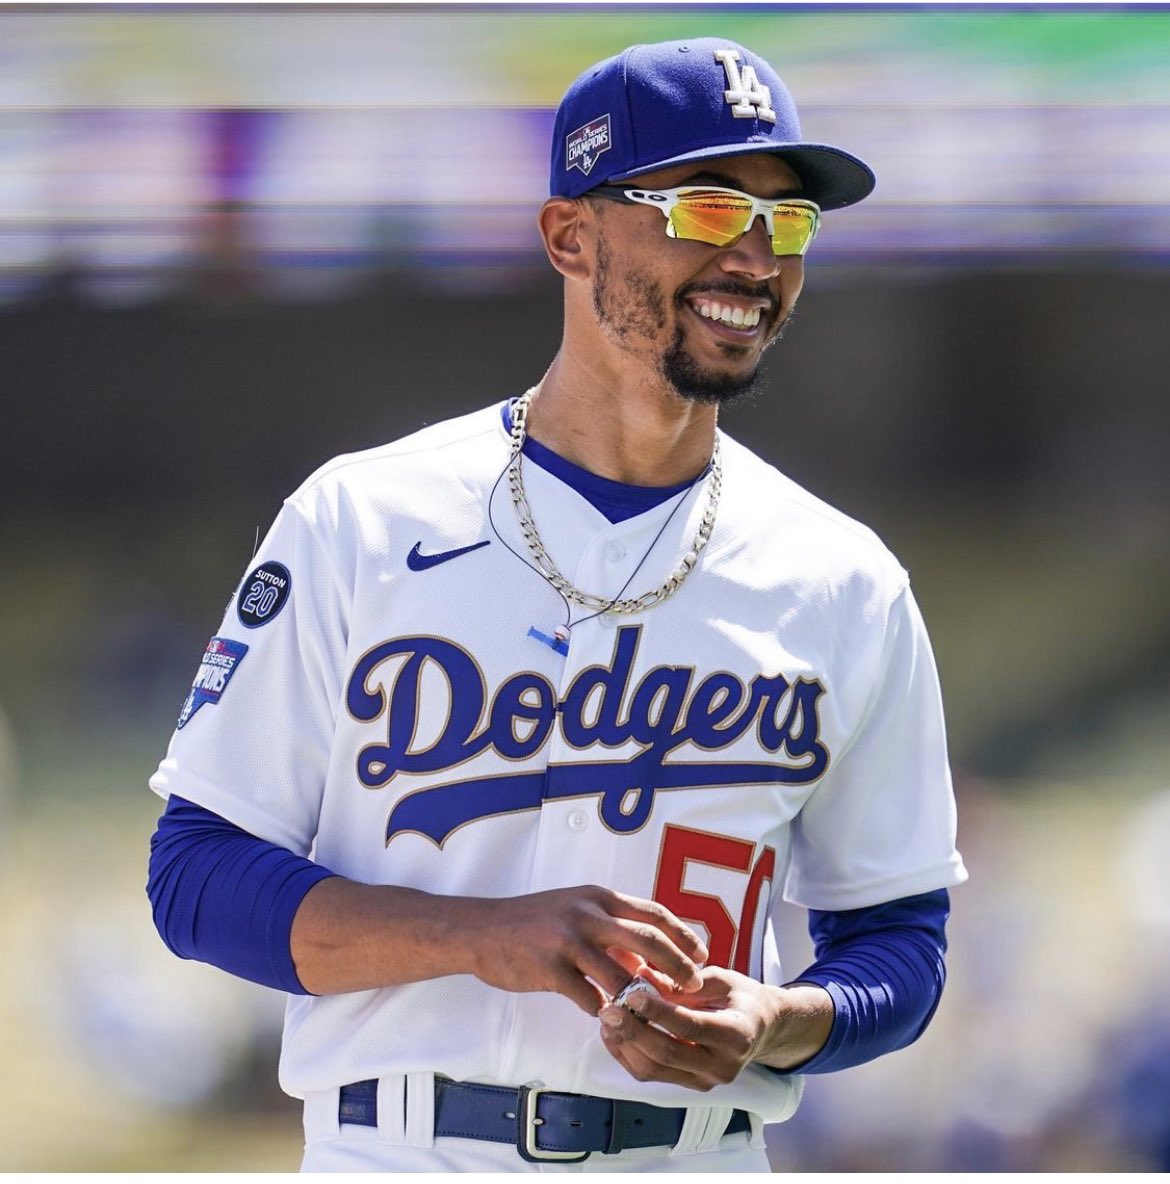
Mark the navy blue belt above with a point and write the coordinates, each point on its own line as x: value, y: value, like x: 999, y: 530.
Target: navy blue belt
x: 542, y: 1124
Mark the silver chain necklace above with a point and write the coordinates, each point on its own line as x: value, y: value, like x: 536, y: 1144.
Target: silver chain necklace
x: 548, y: 569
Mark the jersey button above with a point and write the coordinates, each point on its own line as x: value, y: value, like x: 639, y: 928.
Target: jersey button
x: 609, y: 620
x: 578, y: 820
x: 615, y: 552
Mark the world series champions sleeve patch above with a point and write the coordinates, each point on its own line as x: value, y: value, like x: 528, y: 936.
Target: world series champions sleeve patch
x: 219, y: 663
x: 263, y: 594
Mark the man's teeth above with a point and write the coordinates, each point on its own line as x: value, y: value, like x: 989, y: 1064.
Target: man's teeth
x: 728, y: 315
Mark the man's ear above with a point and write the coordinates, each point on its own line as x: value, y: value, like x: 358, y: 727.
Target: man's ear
x: 564, y: 231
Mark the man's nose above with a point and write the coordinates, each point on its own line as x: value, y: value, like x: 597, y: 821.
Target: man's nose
x: 751, y: 254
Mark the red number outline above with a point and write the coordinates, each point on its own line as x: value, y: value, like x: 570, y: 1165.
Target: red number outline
x: 728, y: 945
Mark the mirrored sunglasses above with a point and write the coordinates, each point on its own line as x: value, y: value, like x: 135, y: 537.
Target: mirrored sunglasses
x: 709, y: 214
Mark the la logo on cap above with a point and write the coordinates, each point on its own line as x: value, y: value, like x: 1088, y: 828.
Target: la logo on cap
x: 746, y: 97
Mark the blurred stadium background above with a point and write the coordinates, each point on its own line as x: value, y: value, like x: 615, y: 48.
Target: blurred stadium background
x: 234, y: 242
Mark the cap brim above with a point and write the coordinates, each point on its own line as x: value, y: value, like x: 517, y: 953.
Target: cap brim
x: 830, y: 176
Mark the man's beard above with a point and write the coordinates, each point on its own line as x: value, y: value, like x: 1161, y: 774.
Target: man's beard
x: 701, y: 385
x: 641, y: 312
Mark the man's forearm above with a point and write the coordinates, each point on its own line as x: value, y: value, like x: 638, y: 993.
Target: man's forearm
x: 802, y: 1022
x: 355, y: 937
x: 582, y: 942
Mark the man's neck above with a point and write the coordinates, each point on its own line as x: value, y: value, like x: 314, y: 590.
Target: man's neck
x: 629, y: 428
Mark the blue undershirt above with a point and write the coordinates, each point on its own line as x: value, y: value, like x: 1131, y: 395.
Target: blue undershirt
x: 616, y: 500
x: 226, y: 897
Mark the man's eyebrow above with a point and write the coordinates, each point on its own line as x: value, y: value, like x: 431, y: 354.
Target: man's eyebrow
x: 724, y: 181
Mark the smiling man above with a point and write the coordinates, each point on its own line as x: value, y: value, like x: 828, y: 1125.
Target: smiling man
x: 747, y: 305
x: 523, y: 731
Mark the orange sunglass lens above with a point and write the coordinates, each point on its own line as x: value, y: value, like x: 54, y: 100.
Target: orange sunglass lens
x: 716, y: 218
x: 720, y: 218
x: 792, y: 229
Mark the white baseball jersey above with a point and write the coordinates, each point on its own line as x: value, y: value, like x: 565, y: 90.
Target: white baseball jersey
x: 379, y: 696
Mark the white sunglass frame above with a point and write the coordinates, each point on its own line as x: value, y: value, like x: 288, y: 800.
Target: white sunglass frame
x: 667, y: 199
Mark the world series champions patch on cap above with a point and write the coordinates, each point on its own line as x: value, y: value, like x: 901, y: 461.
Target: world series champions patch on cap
x: 586, y: 144
x: 219, y: 663
x: 263, y: 594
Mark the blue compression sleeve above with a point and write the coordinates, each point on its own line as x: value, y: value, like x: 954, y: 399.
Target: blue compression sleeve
x: 221, y: 895
x: 884, y: 968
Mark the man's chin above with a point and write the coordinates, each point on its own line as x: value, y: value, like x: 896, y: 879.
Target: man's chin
x: 704, y: 384
x: 718, y: 385
x: 715, y: 392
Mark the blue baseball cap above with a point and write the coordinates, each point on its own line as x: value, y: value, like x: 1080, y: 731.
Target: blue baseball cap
x: 653, y: 106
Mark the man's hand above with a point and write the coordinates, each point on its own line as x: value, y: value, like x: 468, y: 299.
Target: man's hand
x: 712, y: 1033
x: 562, y: 939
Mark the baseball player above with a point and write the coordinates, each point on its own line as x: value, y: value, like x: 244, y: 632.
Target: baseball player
x: 521, y: 731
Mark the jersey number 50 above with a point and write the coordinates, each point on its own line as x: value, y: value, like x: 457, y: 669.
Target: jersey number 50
x: 728, y: 945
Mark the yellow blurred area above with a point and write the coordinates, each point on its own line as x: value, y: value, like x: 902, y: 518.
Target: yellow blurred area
x: 106, y: 1034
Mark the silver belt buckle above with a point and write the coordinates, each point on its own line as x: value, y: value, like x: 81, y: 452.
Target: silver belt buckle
x: 529, y: 1121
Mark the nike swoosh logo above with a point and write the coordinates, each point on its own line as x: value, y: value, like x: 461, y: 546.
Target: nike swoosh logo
x: 419, y: 562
